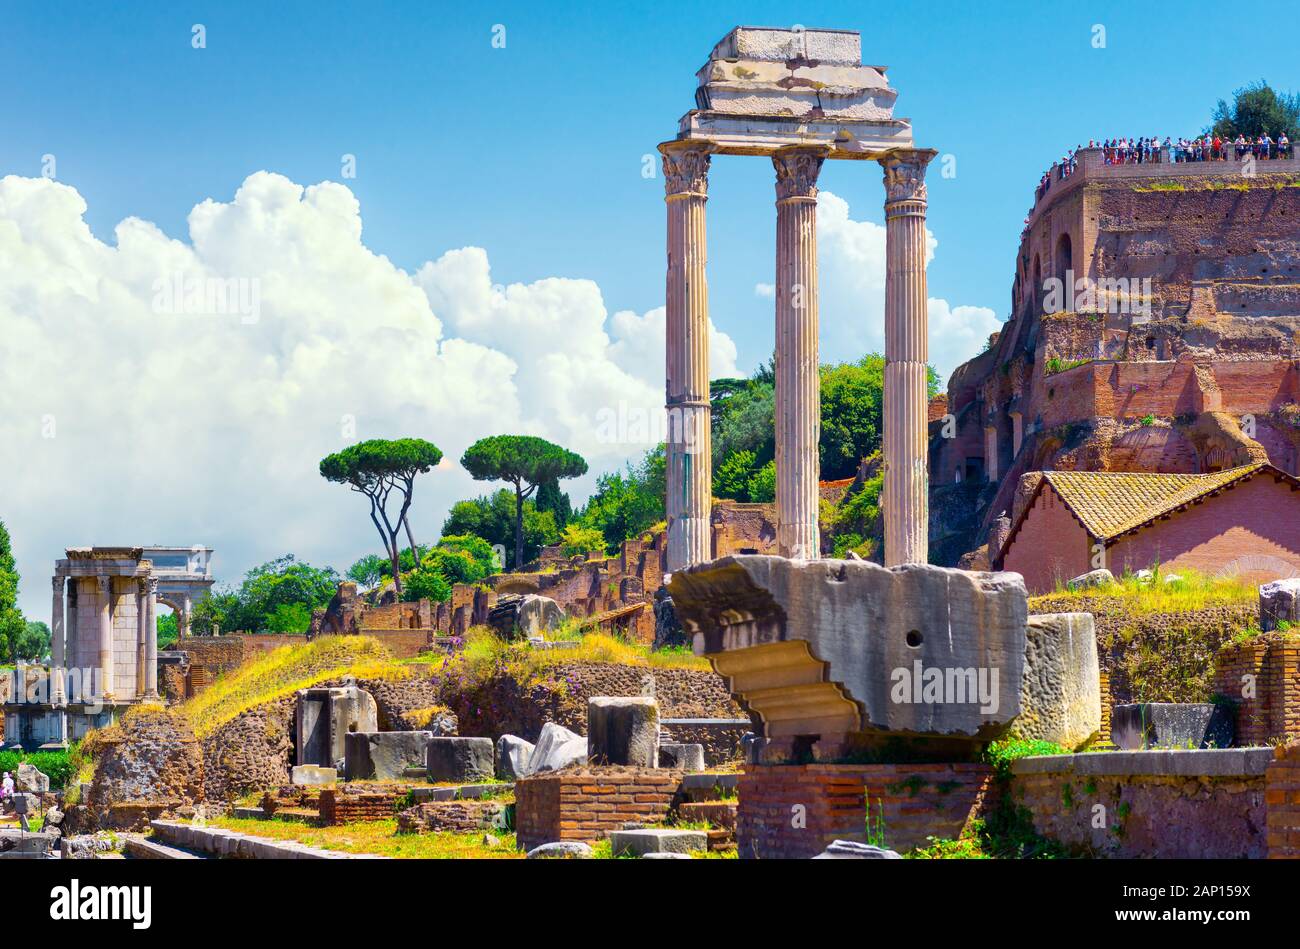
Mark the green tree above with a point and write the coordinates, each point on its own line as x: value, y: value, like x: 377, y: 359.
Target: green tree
x: 12, y: 622
x: 551, y: 498
x: 33, y: 643
x: 731, y: 478
x: 369, y: 570
x: 625, y: 504
x: 762, y: 487
x: 376, y: 468
x: 427, y: 584
x: 169, y: 631
x: 577, y: 539
x: 288, y: 618
x: 492, y: 519
x: 274, y: 597
x: 524, y: 461
x: 1256, y: 110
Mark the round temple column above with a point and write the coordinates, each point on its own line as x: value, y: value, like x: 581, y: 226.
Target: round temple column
x: 104, y: 608
x: 57, y: 657
x: 689, y: 475
x: 151, y: 639
x: 798, y: 382
x: 905, y: 501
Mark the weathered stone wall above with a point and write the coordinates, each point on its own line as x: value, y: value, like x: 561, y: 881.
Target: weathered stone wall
x: 460, y: 817
x: 252, y: 752
x: 587, y: 803
x: 148, y: 765
x: 501, y: 705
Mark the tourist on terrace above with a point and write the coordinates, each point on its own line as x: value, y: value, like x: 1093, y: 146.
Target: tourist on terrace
x: 1283, y: 146
x: 7, y: 789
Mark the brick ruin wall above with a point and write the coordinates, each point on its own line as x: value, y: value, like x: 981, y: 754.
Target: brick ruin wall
x: 585, y: 588
x: 1261, y: 677
x: 794, y: 811
x: 585, y: 804
x: 1223, y: 257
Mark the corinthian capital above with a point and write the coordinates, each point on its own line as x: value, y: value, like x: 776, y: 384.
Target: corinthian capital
x: 686, y: 167
x: 905, y: 174
x: 797, y: 168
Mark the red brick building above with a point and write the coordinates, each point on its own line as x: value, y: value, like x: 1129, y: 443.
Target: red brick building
x: 1244, y: 520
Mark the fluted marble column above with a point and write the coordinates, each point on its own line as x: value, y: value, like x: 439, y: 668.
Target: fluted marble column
x: 798, y: 383
x: 689, y: 462
x: 58, y: 659
x: 151, y: 639
x: 905, y: 500
x: 104, y: 609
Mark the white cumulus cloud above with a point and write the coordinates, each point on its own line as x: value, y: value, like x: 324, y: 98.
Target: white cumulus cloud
x: 851, y: 284
x: 159, y: 390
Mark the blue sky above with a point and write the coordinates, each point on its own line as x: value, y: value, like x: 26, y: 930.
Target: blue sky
x: 180, y: 430
x: 534, y: 151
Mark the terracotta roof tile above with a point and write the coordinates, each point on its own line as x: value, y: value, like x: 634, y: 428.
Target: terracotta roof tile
x: 1110, y: 503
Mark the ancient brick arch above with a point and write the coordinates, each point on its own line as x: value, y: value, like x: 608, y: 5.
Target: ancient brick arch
x: 518, y: 583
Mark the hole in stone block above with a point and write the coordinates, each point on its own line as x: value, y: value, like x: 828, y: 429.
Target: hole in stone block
x: 914, y: 638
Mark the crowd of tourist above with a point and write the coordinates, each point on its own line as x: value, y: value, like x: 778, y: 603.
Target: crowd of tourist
x: 1141, y: 151
x: 1208, y: 147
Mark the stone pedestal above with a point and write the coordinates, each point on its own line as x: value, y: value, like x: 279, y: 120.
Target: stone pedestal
x: 905, y: 497
x: 689, y: 461
x: 623, y: 731
x: 798, y: 381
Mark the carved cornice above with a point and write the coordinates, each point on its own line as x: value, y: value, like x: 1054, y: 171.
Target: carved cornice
x: 797, y: 169
x: 905, y: 174
x: 686, y: 168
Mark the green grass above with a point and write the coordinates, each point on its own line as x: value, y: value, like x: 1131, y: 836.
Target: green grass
x: 1057, y: 364
x: 1137, y: 597
x: 379, y: 838
x: 282, y: 672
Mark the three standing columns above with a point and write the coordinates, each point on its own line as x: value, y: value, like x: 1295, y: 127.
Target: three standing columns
x: 798, y: 377
x: 689, y: 473
x: 798, y: 387
x: 905, y: 500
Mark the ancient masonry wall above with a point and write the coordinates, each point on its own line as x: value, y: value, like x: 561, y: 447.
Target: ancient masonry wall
x: 1262, y: 678
x: 795, y: 811
x: 585, y: 804
x: 348, y: 807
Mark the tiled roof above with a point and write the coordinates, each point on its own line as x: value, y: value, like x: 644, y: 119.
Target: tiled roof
x: 1111, y: 503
